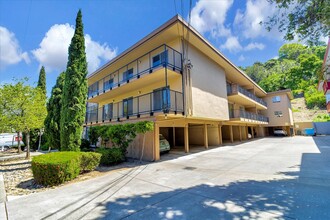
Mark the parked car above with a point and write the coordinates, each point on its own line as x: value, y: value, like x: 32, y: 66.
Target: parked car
x: 164, y: 145
x: 280, y: 132
x: 9, y: 140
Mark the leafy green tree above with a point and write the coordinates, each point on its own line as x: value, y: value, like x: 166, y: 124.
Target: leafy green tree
x: 74, y: 91
x: 35, y: 114
x: 273, y: 82
x: 23, y: 109
x: 52, y: 121
x: 291, y: 51
x: 257, y: 72
x: 306, y: 19
x: 36, y: 134
x: 42, y: 80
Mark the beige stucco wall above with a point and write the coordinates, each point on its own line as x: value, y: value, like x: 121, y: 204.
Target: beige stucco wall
x: 284, y: 105
x: 136, y: 147
x: 209, y: 94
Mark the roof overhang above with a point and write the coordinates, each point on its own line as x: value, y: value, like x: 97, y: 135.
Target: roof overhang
x: 175, y: 28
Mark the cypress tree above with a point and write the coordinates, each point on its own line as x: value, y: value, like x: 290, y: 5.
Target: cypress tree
x: 74, y: 91
x: 52, y: 121
x: 42, y: 80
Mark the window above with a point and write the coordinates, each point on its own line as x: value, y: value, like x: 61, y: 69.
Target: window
x: 276, y: 99
x: 278, y: 113
x: 231, y: 110
x: 107, y: 111
x: 108, y: 84
x: 93, y: 89
x: 161, y: 99
x: 128, y: 107
x: 159, y: 59
x: 128, y: 74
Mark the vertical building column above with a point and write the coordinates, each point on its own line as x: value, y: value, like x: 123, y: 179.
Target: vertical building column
x: 220, y: 134
x: 231, y: 134
x: 240, y: 133
x: 186, y: 138
x: 206, y: 141
x: 156, y: 141
x: 247, y: 132
x: 173, y: 136
x: 252, y: 131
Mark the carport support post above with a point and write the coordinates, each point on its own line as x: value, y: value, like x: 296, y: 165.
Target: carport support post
x: 240, y: 133
x: 206, y: 142
x: 156, y: 141
x: 186, y: 139
x: 252, y: 131
x: 220, y: 134
x: 247, y: 132
x: 173, y: 136
x: 231, y: 134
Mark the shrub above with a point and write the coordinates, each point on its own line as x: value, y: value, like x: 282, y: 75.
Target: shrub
x: 85, y: 145
x: 89, y: 161
x: 56, y: 168
x: 111, y: 156
x: 44, y: 148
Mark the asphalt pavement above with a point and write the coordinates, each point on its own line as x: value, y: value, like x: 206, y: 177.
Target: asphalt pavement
x: 269, y: 178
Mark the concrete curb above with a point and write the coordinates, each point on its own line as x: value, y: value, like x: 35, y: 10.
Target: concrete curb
x: 3, y: 198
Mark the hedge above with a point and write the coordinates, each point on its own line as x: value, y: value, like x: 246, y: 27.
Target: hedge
x: 56, y: 168
x: 111, y: 156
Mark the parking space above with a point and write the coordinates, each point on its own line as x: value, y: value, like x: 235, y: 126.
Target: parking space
x: 282, y: 178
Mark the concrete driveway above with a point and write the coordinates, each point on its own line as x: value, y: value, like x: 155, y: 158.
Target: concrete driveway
x: 283, y: 178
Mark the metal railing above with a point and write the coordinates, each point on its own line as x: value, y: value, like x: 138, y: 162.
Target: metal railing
x: 247, y: 115
x: 234, y: 88
x: 162, y: 100
x: 161, y: 57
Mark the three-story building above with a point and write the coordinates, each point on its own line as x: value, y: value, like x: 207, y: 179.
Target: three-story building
x: 174, y: 77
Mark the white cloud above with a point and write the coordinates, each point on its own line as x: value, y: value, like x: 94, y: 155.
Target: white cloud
x: 210, y: 16
x: 10, y: 51
x: 241, y: 58
x: 53, y: 49
x: 232, y: 45
x: 252, y: 46
x: 248, y: 22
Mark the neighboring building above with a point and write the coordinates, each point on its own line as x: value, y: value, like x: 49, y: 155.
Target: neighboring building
x: 279, y: 111
x: 324, y: 84
x: 177, y: 79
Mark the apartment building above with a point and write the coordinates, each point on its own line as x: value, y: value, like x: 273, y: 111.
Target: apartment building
x: 174, y: 77
x: 324, y: 83
x: 279, y: 112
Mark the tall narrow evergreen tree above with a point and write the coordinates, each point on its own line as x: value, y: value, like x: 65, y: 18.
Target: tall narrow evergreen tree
x: 42, y: 80
x: 52, y: 121
x: 74, y: 91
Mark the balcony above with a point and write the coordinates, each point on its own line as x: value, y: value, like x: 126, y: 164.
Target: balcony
x: 244, y: 116
x: 160, y: 58
x: 240, y: 95
x: 162, y: 100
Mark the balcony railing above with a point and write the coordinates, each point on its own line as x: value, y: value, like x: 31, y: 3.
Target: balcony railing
x: 161, y: 100
x: 233, y: 89
x: 160, y: 57
x: 247, y: 115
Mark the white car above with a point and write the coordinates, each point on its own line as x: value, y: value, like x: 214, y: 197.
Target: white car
x: 8, y: 140
x: 280, y: 132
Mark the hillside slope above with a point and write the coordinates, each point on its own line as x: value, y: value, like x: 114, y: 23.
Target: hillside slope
x: 302, y: 113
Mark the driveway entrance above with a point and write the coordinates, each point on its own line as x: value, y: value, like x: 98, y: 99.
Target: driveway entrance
x: 262, y: 179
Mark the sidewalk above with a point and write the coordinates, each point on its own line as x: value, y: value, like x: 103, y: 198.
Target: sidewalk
x: 20, y: 156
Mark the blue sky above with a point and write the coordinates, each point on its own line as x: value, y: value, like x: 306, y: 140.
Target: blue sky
x: 35, y: 32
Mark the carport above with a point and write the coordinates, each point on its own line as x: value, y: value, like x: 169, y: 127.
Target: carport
x: 184, y: 134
